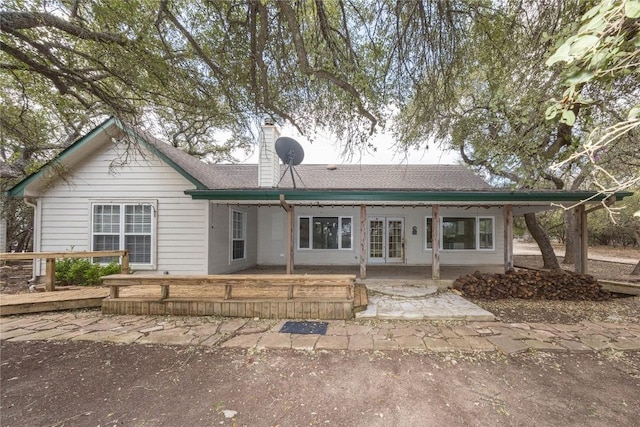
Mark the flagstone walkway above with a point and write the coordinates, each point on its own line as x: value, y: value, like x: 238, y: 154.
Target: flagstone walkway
x: 341, y: 335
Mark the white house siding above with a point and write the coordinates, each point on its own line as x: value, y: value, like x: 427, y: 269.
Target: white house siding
x: 181, y: 239
x: 272, y: 236
x: 220, y: 261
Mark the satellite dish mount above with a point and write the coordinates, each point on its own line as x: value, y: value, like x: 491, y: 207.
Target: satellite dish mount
x: 291, y: 154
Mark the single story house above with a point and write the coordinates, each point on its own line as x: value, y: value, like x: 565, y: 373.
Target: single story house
x: 118, y: 188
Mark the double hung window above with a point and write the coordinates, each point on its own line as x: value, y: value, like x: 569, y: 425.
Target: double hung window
x: 238, y: 234
x: 123, y: 226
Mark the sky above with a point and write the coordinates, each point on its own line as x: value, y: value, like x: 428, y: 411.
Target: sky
x: 325, y: 150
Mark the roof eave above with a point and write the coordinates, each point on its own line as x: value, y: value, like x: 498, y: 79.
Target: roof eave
x: 360, y: 196
x: 18, y: 190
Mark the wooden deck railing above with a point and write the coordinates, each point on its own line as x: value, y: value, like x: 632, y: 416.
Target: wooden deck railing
x: 50, y: 276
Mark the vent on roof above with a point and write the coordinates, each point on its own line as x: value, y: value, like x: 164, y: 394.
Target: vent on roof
x: 332, y: 167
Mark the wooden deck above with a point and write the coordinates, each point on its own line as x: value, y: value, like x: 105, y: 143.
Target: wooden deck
x: 61, y: 299
x: 281, y: 296
x: 185, y: 299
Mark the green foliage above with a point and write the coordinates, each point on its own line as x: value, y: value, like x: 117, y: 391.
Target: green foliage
x: 599, y: 58
x: 82, y: 272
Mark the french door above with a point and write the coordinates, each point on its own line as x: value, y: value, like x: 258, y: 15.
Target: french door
x: 386, y: 240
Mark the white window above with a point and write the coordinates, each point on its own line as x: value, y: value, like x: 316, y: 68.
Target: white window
x: 123, y: 226
x: 463, y: 233
x: 238, y: 234
x: 325, y: 232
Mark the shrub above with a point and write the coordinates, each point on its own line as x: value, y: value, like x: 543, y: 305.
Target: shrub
x: 82, y: 272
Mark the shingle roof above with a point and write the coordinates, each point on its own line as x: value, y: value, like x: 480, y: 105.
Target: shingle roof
x: 319, y: 177
x: 386, y: 177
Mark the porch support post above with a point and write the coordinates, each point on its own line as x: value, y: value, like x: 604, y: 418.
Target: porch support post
x: 290, y: 232
x: 435, y: 242
x: 582, y: 255
x: 508, y: 238
x: 363, y: 242
x: 50, y: 277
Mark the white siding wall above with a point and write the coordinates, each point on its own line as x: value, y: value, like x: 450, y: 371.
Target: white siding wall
x: 272, y: 236
x: 220, y: 261
x: 181, y: 240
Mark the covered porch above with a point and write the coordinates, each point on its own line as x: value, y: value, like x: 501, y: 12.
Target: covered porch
x: 440, y: 235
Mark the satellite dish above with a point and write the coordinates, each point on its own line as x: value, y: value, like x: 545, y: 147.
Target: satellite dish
x: 289, y: 151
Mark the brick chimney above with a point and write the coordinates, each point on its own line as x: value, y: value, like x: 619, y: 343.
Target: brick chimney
x: 268, y: 161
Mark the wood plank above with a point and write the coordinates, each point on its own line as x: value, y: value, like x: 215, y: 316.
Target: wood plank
x: 7, y: 310
x: 265, y: 310
x: 164, y: 291
x: 620, y: 287
x: 194, y: 279
x: 314, y: 310
x: 50, y: 277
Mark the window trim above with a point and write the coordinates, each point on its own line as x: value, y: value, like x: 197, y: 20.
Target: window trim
x: 152, y: 265
x: 477, y: 232
x: 339, y: 239
x: 233, y: 239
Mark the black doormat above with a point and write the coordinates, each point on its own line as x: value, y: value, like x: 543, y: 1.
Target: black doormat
x: 319, y: 328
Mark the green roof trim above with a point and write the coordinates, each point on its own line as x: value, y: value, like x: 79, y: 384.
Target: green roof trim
x: 18, y: 189
x: 401, y: 196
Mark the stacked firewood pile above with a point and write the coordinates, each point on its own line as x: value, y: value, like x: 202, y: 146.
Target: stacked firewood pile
x: 530, y: 284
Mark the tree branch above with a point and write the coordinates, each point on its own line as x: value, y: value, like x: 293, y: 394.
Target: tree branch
x: 305, y: 68
x: 14, y: 21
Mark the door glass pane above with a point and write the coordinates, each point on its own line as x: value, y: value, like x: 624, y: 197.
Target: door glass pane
x: 376, y: 236
x: 395, y: 238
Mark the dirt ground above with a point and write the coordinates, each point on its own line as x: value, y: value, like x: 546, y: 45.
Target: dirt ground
x: 96, y: 384
x: 48, y: 383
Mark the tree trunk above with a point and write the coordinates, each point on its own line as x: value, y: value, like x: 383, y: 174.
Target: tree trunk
x: 544, y: 243
x: 636, y: 270
x: 569, y: 236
